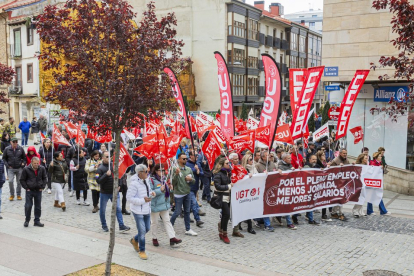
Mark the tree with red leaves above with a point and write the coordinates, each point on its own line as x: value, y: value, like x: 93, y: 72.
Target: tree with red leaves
x: 6, y: 77
x: 403, y: 63
x: 112, y: 67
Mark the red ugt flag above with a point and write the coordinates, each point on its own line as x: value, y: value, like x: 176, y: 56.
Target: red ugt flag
x: 358, y: 134
x: 125, y: 161
x: 211, y: 149
x: 58, y: 138
x: 238, y: 173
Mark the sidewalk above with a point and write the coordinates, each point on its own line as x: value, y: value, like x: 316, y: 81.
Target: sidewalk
x: 59, y: 250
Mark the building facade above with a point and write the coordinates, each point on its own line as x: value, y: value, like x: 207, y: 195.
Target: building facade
x: 311, y: 18
x: 241, y: 32
x: 355, y: 35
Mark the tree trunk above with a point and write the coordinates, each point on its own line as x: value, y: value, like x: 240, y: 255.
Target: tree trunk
x: 114, y: 203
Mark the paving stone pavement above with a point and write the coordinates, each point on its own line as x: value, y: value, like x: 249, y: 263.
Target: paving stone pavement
x: 334, y: 248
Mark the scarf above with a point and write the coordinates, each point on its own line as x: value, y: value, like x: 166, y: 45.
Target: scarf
x: 167, y: 190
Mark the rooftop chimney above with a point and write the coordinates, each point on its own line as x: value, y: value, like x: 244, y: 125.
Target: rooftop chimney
x: 259, y: 5
x: 276, y: 9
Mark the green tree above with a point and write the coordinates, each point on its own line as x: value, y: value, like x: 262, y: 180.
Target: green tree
x: 311, y: 123
x: 244, y: 112
x: 325, y: 116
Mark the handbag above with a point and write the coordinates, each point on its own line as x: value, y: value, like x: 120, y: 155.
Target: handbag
x: 216, y: 201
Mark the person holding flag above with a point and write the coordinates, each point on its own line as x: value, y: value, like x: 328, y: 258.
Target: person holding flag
x: 160, y: 205
x: 46, y: 157
x: 58, y: 170
x: 80, y: 176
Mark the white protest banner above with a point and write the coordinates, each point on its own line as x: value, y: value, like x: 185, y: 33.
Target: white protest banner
x: 304, y: 190
x: 323, y: 131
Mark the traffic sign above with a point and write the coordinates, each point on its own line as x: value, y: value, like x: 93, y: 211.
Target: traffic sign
x: 332, y: 87
x: 331, y: 71
x: 333, y: 113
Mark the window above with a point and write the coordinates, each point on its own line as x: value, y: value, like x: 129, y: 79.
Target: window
x: 314, y: 15
x: 238, y: 85
x: 253, y: 62
x: 293, y: 62
x: 236, y: 57
x: 302, y: 41
x: 310, y: 45
x: 17, y: 48
x: 238, y: 29
x: 252, y: 86
x: 281, y: 35
x: 29, y: 32
x: 30, y: 72
x: 302, y: 63
x: 293, y: 41
x: 311, y: 24
x: 18, y: 76
x: 282, y: 60
x: 301, y: 16
x: 253, y: 32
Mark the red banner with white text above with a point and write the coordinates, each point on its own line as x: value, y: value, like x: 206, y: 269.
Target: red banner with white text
x: 299, y: 119
x: 296, y: 80
x: 226, y: 110
x: 175, y: 86
x: 304, y: 190
x: 272, y: 101
x: 348, y: 102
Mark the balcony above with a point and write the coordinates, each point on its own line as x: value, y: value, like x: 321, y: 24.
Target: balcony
x: 276, y: 43
x: 15, y: 90
x: 261, y: 39
x: 269, y: 41
x: 284, y: 45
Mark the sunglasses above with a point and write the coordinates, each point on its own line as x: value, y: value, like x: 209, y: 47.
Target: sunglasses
x: 250, y: 159
x: 14, y: 142
x: 184, y: 158
x: 226, y: 163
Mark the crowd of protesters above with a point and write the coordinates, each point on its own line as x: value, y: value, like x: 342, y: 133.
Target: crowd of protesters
x: 152, y: 190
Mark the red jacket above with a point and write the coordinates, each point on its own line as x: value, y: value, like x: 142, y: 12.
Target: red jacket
x: 375, y: 163
x: 295, y: 163
x: 29, y: 156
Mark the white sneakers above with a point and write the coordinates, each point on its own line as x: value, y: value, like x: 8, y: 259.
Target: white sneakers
x: 49, y: 191
x: 190, y: 233
x: 387, y: 214
x: 78, y: 202
x: 71, y: 193
x: 85, y: 203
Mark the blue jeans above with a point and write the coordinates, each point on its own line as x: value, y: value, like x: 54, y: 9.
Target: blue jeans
x: 309, y: 215
x: 25, y: 138
x: 381, y: 206
x: 206, y: 187
x: 194, y: 206
x: 179, y: 203
x: 289, y: 219
x: 266, y: 221
x: 143, y: 226
x: 102, y: 207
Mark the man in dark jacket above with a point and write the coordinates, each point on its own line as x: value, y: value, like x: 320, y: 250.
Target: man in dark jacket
x: 46, y: 157
x: 106, y: 182
x: 14, y: 158
x: 33, y: 180
x: 206, y: 177
x: 312, y: 163
x: 35, y: 131
x: 43, y: 124
x: 197, y: 172
x: 2, y: 180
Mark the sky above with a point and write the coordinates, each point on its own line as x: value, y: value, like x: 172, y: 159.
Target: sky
x: 292, y: 6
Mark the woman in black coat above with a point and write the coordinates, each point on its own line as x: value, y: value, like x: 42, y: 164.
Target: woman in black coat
x: 222, y: 183
x: 5, y: 141
x: 80, y: 176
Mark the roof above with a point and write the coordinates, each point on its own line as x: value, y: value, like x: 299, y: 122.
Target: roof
x: 7, y: 3
x: 21, y: 3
